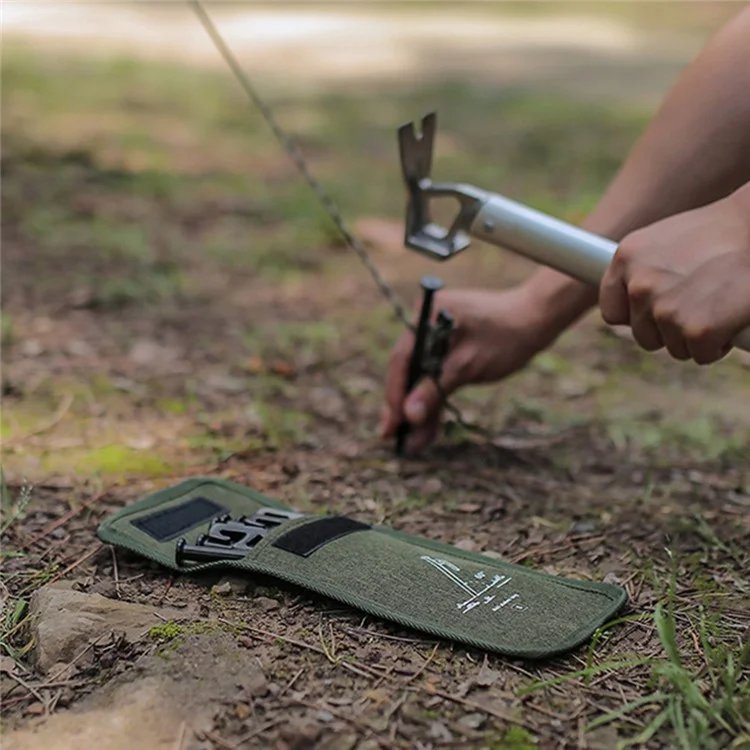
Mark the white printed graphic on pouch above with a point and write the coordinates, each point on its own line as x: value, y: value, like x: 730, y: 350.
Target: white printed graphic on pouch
x: 481, y: 590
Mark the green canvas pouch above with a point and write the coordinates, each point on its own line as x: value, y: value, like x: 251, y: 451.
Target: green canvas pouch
x: 425, y: 585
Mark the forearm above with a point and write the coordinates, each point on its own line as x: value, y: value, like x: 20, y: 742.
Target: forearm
x: 696, y: 150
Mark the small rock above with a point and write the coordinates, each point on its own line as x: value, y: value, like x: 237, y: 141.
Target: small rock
x: 104, y: 588
x: 65, y: 621
x: 340, y: 742
x: 583, y: 527
x: 255, y: 684
x: 494, y: 555
x: 439, y: 731
x: 79, y: 348
x: 300, y: 734
x: 432, y: 486
x: 239, y: 584
x: 325, y: 716
x: 81, y: 298
x: 487, y: 676
x: 222, y: 589
x: 469, y: 507
x: 466, y: 544
x: 224, y: 384
x: 31, y: 348
x: 266, y: 604
x: 7, y: 665
x: 472, y: 721
x: 148, y: 352
x: 570, y: 388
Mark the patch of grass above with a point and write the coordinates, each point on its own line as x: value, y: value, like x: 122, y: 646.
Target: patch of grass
x: 515, y: 738
x: 166, y: 631
x: 282, y: 426
x: 14, y: 617
x: 13, y: 509
x: 702, y: 706
x: 118, y: 461
x: 7, y: 330
x: 700, y: 710
x: 704, y: 437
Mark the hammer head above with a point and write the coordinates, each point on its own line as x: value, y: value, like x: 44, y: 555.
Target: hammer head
x: 416, y: 149
x: 421, y: 233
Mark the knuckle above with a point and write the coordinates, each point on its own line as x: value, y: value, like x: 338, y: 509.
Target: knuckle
x: 627, y: 249
x: 666, y: 311
x: 640, y: 288
x: 698, y: 332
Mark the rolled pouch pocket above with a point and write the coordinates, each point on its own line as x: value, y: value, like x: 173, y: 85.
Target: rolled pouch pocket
x: 485, y: 602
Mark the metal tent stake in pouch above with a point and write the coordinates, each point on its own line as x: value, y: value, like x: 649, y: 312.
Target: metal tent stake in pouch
x: 495, y: 219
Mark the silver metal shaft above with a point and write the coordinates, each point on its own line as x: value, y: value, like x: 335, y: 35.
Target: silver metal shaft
x: 551, y: 242
x: 543, y: 239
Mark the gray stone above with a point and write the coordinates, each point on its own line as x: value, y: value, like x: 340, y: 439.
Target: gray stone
x: 64, y: 622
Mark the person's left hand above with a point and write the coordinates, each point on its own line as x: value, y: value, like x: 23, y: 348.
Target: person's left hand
x: 684, y: 282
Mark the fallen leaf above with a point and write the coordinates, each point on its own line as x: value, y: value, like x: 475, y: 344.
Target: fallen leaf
x: 284, y: 369
x: 242, y: 711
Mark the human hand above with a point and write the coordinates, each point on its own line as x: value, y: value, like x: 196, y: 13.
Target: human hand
x: 684, y: 282
x: 496, y: 334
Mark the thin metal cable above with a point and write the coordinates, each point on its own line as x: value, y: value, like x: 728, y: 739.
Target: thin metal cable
x: 299, y: 160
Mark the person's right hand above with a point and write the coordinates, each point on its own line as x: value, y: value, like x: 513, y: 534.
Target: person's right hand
x: 496, y: 334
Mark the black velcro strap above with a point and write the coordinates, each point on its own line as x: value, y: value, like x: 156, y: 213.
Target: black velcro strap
x: 305, y: 539
x: 169, y: 523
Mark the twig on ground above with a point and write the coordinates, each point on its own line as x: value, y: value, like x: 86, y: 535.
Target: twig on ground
x: 166, y: 591
x: 82, y: 559
x: 67, y: 517
x: 476, y: 706
x: 424, y: 666
x: 115, y: 572
x: 220, y: 741
x: 256, y: 732
x: 544, y: 549
x: 32, y: 690
x: 180, y: 737
x: 291, y: 682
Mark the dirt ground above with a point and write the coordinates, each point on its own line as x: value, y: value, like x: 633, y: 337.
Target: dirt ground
x: 176, y: 303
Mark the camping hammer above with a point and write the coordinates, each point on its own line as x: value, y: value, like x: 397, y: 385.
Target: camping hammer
x: 497, y: 220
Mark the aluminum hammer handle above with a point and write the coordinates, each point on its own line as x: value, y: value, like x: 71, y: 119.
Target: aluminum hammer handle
x: 551, y: 242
